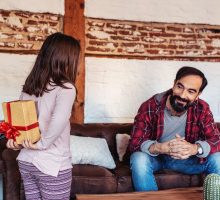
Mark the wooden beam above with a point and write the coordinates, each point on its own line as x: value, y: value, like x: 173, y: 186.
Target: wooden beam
x: 74, y: 25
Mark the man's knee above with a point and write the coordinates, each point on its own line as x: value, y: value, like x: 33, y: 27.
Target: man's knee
x: 213, y: 162
x: 140, y: 160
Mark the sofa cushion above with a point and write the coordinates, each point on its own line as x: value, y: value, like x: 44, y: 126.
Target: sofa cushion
x: 123, y: 173
x: 93, y: 185
x: 122, y: 169
x: 90, y: 171
x: 122, y: 141
x: 107, y: 131
x: 167, y: 179
x: 89, y: 150
x: 91, y: 179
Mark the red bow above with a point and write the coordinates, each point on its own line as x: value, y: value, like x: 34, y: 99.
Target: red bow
x: 9, y: 131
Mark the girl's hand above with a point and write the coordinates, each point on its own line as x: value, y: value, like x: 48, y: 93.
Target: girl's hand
x: 27, y: 144
x: 11, y: 144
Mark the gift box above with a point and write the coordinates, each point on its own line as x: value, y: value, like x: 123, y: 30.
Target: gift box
x: 20, y: 121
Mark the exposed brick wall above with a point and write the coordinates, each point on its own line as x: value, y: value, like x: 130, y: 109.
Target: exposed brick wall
x: 152, y: 40
x: 24, y: 32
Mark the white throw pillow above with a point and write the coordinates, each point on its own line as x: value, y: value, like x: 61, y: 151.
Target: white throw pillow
x: 122, y: 141
x: 89, y: 150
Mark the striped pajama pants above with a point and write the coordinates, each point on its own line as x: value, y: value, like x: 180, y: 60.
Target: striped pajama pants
x: 40, y: 186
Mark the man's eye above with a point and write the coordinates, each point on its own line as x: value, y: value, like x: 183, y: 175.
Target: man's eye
x: 191, y: 92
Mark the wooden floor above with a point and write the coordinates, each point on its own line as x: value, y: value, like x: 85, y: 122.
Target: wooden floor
x: 175, y: 194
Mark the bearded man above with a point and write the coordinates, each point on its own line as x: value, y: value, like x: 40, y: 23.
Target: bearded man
x: 174, y: 130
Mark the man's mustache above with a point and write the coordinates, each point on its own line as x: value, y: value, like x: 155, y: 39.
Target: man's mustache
x: 181, y: 99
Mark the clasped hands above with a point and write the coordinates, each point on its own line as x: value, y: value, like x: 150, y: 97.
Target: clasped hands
x: 179, y: 148
x: 27, y: 144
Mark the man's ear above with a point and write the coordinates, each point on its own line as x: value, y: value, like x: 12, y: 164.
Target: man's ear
x: 198, y: 95
x: 174, y: 82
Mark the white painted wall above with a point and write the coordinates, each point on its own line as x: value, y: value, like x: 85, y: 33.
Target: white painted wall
x: 115, y: 88
x: 13, y: 72
x: 42, y: 6
x: 14, y: 68
x: 184, y: 11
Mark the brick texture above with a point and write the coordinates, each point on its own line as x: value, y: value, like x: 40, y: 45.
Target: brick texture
x: 152, y: 40
x: 24, y: 32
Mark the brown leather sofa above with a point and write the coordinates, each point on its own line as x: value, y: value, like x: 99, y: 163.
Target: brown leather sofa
x: 88, y: 179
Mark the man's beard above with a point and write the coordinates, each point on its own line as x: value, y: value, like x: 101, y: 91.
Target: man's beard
x: 179, y: 107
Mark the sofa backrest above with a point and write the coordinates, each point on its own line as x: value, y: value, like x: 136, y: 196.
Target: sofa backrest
x: 107, y: 131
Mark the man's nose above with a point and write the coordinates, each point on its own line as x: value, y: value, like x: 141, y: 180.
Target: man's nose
x: 183, y: 94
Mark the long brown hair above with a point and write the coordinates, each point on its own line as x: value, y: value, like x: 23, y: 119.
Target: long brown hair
x: 55, y: 64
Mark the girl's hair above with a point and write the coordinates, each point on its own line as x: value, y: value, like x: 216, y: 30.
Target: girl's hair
x: 55, y: 64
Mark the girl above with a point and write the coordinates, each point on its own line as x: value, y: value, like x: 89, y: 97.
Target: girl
x: 45, y: 166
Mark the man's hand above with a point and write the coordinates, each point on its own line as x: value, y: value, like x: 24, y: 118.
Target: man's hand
x: 177, y: 148
x: 181, y: 149
x: 11, y: 144
x: 164, y: 148
x: 27, y: 144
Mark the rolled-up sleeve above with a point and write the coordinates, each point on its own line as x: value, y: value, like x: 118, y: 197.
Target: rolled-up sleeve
x: 146, y: 146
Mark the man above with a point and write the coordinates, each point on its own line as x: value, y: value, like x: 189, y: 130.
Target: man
x: 175, y: 130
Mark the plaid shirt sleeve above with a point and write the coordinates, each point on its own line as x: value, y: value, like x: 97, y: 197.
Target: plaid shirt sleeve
x: 142, y: 127
x: 211, y: 132
x: 201, y: 126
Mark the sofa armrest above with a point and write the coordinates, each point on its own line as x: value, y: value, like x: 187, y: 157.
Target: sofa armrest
x: 11, y: 175
x: 2, y: 148
x: 3, y: 142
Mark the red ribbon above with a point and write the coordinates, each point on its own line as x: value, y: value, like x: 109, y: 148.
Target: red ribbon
x: 11, y: 132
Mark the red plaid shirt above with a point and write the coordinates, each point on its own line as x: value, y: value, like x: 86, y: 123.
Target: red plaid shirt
x: 149, y: 124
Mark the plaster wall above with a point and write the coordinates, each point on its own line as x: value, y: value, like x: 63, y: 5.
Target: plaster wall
x: 42, y: 6
x: 115, y: 88
x: 185, y: 11
x: 14, y: 67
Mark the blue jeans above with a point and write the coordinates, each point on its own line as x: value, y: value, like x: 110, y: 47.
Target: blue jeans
x: 143, y: 166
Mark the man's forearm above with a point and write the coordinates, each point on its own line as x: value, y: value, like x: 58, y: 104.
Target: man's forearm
x: 158, y: 148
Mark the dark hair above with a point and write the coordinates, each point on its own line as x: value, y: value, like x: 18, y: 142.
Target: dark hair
x: 55, y: 64
x: 186, y: 71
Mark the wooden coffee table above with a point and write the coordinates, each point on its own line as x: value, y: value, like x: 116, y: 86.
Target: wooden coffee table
x: 194, y: 193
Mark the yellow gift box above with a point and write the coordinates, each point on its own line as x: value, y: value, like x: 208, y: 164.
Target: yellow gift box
x: 22, y: 116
